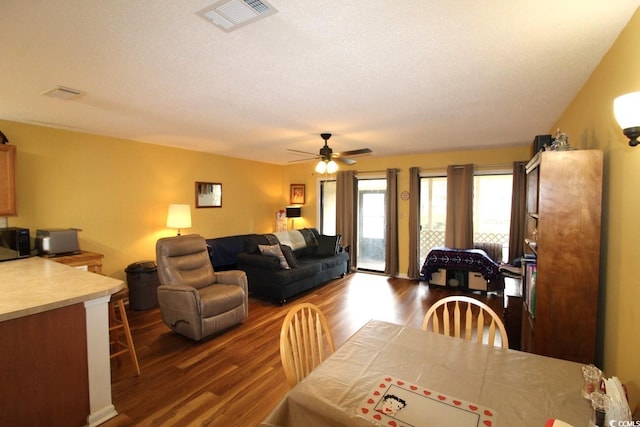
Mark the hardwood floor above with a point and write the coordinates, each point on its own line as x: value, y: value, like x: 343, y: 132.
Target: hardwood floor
x: 235, y: 378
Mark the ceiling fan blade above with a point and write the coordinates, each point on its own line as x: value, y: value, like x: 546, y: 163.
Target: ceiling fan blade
x: 298, y: 152
x: 353, y: 152
x: 345, y: 160
x: 308, y: 159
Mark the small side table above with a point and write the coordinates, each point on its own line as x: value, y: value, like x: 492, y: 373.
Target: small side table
x: 92, y: 260
x: 513, y: 311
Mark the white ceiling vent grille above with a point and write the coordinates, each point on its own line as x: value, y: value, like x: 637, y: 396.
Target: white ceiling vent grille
x: 230, y: 15
x: 63, y: 93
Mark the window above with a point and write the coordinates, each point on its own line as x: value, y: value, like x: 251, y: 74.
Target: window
x: 433, y: 213
x: 371, y: 224
x: 491, y: 211
x: 328, y: 207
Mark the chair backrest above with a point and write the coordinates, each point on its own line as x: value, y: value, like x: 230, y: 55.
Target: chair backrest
x: 480, y: 321
x: 184, y: 260
x: 305, y: 341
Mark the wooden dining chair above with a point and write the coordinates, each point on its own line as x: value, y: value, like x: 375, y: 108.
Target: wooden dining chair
x: 480, y: 321
x: 305, y: 341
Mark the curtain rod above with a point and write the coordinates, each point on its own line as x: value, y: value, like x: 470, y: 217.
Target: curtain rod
x: 493, y: 165
x: 379, y: 171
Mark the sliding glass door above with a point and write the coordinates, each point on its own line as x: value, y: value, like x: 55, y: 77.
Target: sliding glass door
x: 371, y: 224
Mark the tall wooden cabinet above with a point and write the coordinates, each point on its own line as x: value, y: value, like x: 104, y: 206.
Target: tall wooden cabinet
x: 560, y: 287
x: 8, y: 206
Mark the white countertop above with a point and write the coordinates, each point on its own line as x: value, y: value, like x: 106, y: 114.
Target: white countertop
x: 33, y: 285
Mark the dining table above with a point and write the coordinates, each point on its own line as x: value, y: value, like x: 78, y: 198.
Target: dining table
x: 395, y: 375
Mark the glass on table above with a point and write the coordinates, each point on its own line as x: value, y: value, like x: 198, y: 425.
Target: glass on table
x: 600, y: 403
x: 592, y: 377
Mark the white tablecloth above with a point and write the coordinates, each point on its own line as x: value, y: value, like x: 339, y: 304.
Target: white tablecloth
x: 522, y: 388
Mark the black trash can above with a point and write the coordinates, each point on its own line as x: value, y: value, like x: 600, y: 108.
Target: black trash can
x: 142, y: 278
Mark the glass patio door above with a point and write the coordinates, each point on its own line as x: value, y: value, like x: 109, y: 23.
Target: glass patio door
x: 371, y: 224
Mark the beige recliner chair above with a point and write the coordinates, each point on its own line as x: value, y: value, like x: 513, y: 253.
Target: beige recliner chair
x: 194, y: 300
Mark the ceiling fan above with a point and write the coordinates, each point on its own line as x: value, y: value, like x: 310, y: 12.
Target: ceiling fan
x: 327, y: 157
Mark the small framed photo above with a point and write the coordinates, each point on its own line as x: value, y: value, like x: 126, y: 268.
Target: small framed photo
x: 208, y: 195
x: 296, y: 196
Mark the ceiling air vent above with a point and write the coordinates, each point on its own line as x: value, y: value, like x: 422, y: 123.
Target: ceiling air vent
x: 63, y: 93
x: 233, y: 14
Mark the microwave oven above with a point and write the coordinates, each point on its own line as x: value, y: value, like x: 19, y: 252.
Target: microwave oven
x: 14, y: 243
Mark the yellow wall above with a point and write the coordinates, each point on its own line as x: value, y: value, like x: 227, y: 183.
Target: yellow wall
x: 590, y: 123
x: 118, y: 191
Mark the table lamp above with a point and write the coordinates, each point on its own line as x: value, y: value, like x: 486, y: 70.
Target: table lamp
x: 179, y: 216
x: 293, y: 212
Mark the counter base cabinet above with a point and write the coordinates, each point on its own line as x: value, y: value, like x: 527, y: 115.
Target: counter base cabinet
x: 43, y: 366
x: 560, y: 291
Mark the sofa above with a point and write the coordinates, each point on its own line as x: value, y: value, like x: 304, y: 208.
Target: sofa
x: 287, y: 263
x: 224, y: 250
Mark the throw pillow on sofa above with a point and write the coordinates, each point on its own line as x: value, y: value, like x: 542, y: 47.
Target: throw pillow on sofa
x: 289, y: 256
x: 274, y: 250
x: 328, y: 245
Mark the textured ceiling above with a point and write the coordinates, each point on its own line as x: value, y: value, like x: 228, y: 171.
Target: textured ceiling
x: 398, y: 77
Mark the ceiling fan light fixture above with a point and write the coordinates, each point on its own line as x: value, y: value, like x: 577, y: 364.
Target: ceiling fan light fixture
x: 327, y: 166
x: 321, y: 167
x: 332, y: 167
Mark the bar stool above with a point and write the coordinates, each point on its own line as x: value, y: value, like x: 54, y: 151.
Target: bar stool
x: 118, y: 323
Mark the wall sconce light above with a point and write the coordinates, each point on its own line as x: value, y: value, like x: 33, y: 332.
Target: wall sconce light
x: 626, y: 108
x: 293, y: 212
x: 179, y: 216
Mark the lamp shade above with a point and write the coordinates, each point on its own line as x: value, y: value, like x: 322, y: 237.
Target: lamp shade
x: 294, y: 211
x: 627, y: 110
x: 179, y: 216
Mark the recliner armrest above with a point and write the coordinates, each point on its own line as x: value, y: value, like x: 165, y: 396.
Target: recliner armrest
x: 187, y: 291
x: 232, y: 277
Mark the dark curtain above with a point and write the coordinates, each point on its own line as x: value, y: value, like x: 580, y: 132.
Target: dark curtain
x: 414, y: 223
x: 459, y: 227
x: 518, y: 211
x: 346, y: 198
x: 391, y: 229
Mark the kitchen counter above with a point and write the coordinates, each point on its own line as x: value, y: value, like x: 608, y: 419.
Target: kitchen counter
x: 54, y: 327
x: 33, y: 285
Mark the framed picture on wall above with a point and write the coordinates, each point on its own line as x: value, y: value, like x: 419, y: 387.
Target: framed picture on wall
x: 296, y: 196
x: 208, y: 195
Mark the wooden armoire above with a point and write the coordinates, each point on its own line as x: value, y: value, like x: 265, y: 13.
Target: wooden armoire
x: 560, y: 285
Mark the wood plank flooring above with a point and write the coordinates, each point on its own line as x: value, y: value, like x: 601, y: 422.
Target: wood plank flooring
x: 235, y: 378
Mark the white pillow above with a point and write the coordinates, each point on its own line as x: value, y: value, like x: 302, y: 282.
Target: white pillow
x: 274, y: 250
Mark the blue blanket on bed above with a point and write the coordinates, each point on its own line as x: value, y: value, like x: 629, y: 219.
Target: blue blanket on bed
x: 475, y: 260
